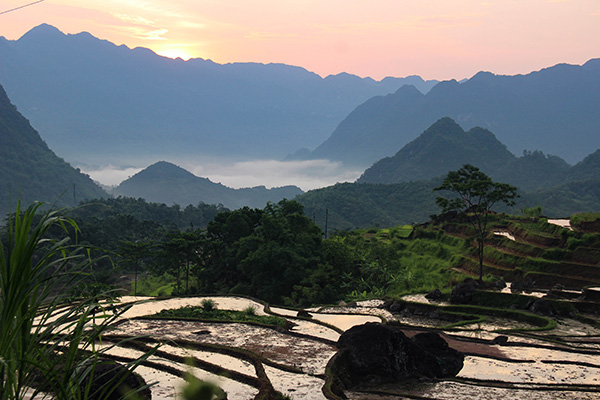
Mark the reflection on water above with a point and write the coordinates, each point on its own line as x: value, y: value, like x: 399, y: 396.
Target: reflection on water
x: 547, y: 366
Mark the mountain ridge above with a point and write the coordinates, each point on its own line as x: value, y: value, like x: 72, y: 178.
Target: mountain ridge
x: 87, y: 93
x: 445, y: 146
x: 555, y: 110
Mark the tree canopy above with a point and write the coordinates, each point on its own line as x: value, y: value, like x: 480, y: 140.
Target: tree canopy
x: 476, y: 194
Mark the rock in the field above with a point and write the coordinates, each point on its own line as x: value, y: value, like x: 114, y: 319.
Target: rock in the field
x: 434, y: 295
x: 438, y: 360
x: 463, y: 292
x: 303, y: 314
x: 501, y: 340
x: 375, y: 353
x: 108, y: 374
x: 396, y: 306
x: 541, y: 307
x: 500, y: 284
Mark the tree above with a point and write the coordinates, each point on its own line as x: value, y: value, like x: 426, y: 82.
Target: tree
x: 133, y: 254
x: 477, y: 194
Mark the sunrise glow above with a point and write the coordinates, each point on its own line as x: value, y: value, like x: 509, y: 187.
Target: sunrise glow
x: 436, y: 39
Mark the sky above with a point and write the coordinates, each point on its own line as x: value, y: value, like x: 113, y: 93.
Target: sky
x: 436, y: 39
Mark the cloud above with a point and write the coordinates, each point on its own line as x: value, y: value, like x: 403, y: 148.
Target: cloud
x: 134, y: 19
x: 154, y: 35
x: 109, y: 175
x: 307, y: 175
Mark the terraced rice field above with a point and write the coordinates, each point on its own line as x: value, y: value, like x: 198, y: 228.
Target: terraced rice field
x: 562, y: 363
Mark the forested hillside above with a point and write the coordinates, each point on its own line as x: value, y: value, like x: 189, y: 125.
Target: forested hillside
x: 30, y: 171
x: 399, y: 189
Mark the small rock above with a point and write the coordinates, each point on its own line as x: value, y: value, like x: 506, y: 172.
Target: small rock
x: 396, y: 306
x: 434, y: 295
x: 541, y: 307
x: 303, y: 314
x: 501, y: 340
x: 463, y: 292
x: 500, y: 284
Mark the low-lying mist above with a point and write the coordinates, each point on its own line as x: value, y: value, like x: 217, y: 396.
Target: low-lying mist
x: 306, y: 175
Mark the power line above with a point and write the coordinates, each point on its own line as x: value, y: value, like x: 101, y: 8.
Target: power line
x: 18, y: 8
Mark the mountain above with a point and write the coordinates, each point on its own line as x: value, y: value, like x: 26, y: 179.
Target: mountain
x: 30, y: 171
x: 167, y: 183
x: 555, y: 110
x: 98, y: 102
x: 399, y: 190
x: 445, y: 146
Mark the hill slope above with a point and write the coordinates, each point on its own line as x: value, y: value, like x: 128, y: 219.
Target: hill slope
x: 29, y: 170
x: 445, y: 147
x: 167, y: 183
x: 555, y: 110
x: 94, y: 100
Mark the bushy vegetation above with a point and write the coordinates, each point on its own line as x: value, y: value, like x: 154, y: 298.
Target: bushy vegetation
x: 213, y: 314
x: 45, y: 341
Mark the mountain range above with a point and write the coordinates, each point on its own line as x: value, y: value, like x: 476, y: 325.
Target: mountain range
x: 30, y: 171
x: 164, y: 182
x: 445, y: 146
x: 99, y: 102
x: 399, y: 189
x: 555, y: 110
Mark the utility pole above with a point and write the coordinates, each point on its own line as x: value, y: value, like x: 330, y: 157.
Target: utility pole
x: 326, y: 221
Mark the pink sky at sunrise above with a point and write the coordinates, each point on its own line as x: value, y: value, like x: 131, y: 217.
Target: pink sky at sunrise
x: 437, y: 39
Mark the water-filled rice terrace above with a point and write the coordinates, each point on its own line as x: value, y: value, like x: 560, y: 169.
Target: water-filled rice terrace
x: 511, y: 351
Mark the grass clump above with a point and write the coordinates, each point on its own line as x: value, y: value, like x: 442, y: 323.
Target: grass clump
x: 214, y: 314
x: 585, y: 217
x: 208, y: 305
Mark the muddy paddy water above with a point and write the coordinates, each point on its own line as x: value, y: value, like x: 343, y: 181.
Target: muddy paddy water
x: 563, y: 363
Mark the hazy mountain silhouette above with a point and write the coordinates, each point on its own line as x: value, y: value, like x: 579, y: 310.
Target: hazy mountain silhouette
x: 555, y: 110
x: 445, y: 147
x: 93, y: 99
x: 30, y: 171
x: 167, y: 183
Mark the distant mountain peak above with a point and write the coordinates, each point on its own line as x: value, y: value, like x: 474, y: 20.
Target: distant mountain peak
x: 444, y: 126
x: 442, y: 147
x: 42, y: 31
x: 164, y: 182
x: 592, y: 65
x: 165, y: 170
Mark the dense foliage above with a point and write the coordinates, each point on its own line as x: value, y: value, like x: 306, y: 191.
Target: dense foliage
x: 45, y: 343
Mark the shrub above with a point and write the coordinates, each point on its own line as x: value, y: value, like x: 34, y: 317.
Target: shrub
x: 208, y: 305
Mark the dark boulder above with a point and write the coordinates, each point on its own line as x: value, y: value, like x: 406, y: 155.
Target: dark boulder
x: 499, y: 284
x: 541, y: 307
x: 110, y: 375
x: 434, y: 295
x: 375, y: 353
x: 438, y: 360
x: 303, y: 314
x: 396, y: 306
x: 500, y: 340
x: 463, y: 292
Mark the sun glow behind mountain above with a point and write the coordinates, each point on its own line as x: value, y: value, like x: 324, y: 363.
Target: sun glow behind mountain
x: 175, y: 51
x: 432, y: 38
